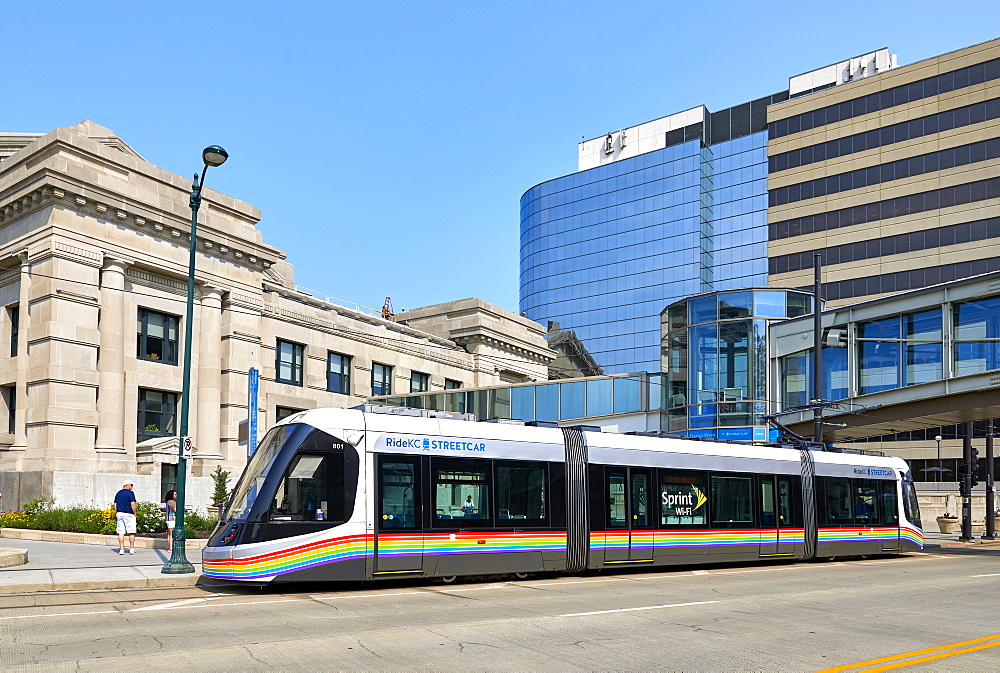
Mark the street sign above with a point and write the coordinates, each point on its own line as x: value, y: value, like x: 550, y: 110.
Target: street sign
x: 187, y: 447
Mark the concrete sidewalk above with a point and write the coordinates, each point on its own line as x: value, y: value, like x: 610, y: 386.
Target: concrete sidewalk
x: 66, y: 566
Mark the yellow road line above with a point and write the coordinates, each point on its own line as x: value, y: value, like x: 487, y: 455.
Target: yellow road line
x: 936, y: 656
x: 897, y: 659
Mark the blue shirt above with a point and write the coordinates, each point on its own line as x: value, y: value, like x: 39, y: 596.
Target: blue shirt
x: 123, y: 501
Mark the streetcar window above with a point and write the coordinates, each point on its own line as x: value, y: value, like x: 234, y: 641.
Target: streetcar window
x: 397, y: 485
x: 865, y: 501
x: 617, y: 516
x: 732, y: 500
x: 640, y: 499
x: 520, y: 491
x: 252, y: 479
x: 461, y: 491
x: 785, y: 502
x: 838, y: 501
x: 682, y: 499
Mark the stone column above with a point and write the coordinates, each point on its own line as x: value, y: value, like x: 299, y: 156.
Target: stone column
x: 21, y: 385
x: 209, y: 382
x: 111, y: 365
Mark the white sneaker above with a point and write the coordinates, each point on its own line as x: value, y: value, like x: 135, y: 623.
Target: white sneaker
x: 121, y: 552
x: 131, y: 551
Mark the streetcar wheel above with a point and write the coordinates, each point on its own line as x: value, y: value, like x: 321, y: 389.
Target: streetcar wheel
x: 521, y: 576
x: 449, y: 579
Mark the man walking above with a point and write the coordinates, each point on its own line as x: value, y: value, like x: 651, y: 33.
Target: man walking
x: 125, y: 509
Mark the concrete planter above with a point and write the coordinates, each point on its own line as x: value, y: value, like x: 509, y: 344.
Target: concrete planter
x: 947, y: 524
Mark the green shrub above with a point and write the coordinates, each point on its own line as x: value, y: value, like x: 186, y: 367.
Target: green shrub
x: 220, y: 491
x: 40, y: 514
x: 38, y: 505
x: 194, y: 522
x: 150, y: 518
x: 59, y: 519
x: 14, y: 520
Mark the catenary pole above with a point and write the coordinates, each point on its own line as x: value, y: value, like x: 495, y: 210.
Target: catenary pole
x: 817, y: 349
x: 990, y: 533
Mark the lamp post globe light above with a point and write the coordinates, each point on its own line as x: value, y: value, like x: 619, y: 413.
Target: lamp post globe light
x: 213, y: 155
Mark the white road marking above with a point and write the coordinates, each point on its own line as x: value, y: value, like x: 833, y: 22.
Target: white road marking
x: 61, y: 614
x: 700, y: 572
x: 553, y: 584
x: 166, y: 606
x: 650, y: 607
x: 492, y: 586
x: 399, y: 593
x: 993, y: 575
x: 227, y: 605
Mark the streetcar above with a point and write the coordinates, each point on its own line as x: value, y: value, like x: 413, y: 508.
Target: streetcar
x: 383, y: 492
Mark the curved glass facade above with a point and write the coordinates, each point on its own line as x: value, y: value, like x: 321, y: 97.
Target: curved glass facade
x: 605, y: 249
x: 715, y: 359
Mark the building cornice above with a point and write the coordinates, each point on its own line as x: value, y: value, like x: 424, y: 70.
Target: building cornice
x: 138, y: 217
x: 503, y: 343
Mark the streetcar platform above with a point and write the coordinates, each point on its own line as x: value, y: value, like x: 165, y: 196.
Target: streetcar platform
x: 68, y: 566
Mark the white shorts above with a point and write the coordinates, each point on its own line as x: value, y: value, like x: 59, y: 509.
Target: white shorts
x: 171, y: 524
x: 126, y: 523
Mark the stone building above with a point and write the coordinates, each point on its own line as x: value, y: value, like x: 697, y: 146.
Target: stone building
x: 93, y: 270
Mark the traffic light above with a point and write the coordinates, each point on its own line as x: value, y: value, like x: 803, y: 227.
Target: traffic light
x: 960, y: 474
x: 975, y: 466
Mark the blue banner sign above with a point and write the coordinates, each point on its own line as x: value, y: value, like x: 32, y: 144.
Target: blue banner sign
x: 253, y: 387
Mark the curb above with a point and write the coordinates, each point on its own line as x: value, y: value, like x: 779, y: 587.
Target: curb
x: 958, y: 544
x: 165, y: 582
x: 10, y: 557
x: 91, y: 538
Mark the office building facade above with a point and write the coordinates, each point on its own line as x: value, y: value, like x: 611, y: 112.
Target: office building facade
x: 605, y: 249
x: 895, y: 179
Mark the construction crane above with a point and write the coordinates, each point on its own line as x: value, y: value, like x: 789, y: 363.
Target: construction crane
x: 387, y: 309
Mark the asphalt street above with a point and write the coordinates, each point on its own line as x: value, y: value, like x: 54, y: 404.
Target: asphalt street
x: 794, y: 616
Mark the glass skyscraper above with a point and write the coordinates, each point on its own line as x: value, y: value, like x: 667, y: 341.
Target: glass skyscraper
x: 605, y: 249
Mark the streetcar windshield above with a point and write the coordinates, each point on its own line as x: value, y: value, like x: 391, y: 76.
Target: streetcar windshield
x: 252, y: 480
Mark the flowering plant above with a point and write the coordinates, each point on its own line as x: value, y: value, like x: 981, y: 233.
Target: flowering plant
x: 947, y: 515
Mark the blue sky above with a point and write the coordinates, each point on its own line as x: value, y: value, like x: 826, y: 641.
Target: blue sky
x: 388, y: 145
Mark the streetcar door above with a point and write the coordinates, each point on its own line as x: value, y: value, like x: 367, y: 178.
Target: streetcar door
x: 398, y: 541
x: 629, y: 535
x: 776, y: 512
x: 641, y: 537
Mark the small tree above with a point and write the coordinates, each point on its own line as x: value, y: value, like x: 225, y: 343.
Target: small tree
x: 221, y: 491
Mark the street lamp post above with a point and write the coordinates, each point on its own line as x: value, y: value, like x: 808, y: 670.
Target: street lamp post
x: 940, y: 470
x: 178, y: 563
